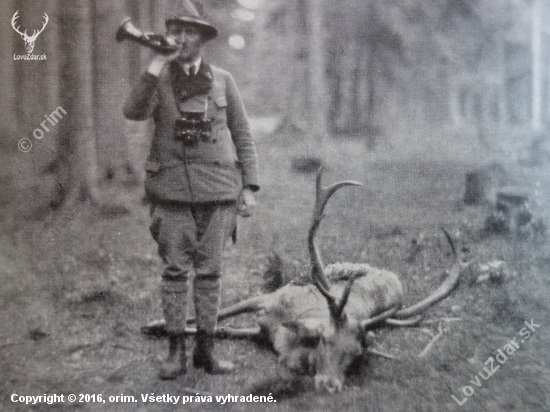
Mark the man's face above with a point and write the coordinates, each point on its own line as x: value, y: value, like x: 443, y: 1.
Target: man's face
x: 188, y: 37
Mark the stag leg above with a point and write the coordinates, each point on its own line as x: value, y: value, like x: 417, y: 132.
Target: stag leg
x: 157, y: 327
x: 376, y: 352
x: 404, y: 322
x: 230, y: 333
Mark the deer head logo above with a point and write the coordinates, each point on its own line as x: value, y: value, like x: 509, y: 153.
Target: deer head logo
x: 29, y: 40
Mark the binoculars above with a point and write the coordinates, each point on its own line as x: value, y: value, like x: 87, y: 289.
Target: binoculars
x: 192, y: 127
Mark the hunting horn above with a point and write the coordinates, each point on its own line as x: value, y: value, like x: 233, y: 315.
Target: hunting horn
x: 157, y: 42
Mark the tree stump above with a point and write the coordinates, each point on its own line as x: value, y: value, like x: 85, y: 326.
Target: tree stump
x: 475, y: 191
x: 482, y: 184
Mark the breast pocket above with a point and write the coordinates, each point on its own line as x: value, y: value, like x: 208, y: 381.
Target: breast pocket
x: 221, y: 102
x: 218, y: 111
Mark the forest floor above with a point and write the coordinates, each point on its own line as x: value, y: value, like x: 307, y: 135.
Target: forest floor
x: 77, y: 285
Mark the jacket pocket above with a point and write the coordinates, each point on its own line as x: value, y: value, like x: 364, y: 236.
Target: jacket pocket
x: 152, y: 167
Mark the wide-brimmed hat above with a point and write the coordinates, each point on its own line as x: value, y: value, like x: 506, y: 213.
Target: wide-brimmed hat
x: 184, y: 11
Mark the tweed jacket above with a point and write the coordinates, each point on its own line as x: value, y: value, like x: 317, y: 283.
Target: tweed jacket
x: 208, y: 171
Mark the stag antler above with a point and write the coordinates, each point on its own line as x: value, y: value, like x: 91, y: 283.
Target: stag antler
x: 322, y: 195
x: 440, y: 293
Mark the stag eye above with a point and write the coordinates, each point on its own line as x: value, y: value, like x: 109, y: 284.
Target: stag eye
x: 311, y: 341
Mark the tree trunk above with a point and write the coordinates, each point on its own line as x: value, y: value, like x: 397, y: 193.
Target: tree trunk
x: 34, y: 84
x: 356, y: 115
x: 294, y: 121
x: 8, y: 114
x: 110, y: 90
x: 371, y: 77
x: 317, y: 82
x: 78, y: 176
x: 502, y: 102
x: 336, y: 98
x: 536, y: 66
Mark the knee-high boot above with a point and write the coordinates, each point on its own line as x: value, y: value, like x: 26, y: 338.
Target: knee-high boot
x: 174, y: 303
x: 207, y: 303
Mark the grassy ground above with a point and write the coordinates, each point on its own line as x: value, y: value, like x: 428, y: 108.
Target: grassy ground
x: 77, y: 286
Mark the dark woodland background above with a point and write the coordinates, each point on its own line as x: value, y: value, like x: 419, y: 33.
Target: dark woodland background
x: 443, y: 78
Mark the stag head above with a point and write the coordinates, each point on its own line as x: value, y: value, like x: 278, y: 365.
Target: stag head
x: 323, y: 350
x: 29, y: 40
x: 334, y: 346
x: 336, y: 351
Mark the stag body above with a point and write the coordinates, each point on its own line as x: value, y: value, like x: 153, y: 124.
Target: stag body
x: 298, y: 322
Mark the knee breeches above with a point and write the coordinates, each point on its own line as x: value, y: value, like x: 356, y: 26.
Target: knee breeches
x: 192, y: 237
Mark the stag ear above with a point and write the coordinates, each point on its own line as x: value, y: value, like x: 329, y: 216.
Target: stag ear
x: 303, y: 330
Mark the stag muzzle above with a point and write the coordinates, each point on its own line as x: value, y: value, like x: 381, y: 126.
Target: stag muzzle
x: 327, y: 383
x: 157, y: 42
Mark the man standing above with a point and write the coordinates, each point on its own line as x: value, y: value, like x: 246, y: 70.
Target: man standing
x: 201, y: 172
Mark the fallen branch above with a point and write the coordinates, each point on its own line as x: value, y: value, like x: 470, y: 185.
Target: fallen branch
x: 431, y: 343
x: 227, y: 332
x: 118, y: 346
x: 428, y: 322
x: 8, y: 344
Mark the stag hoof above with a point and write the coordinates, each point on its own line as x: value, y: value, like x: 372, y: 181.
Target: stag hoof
x: 328, y: 384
